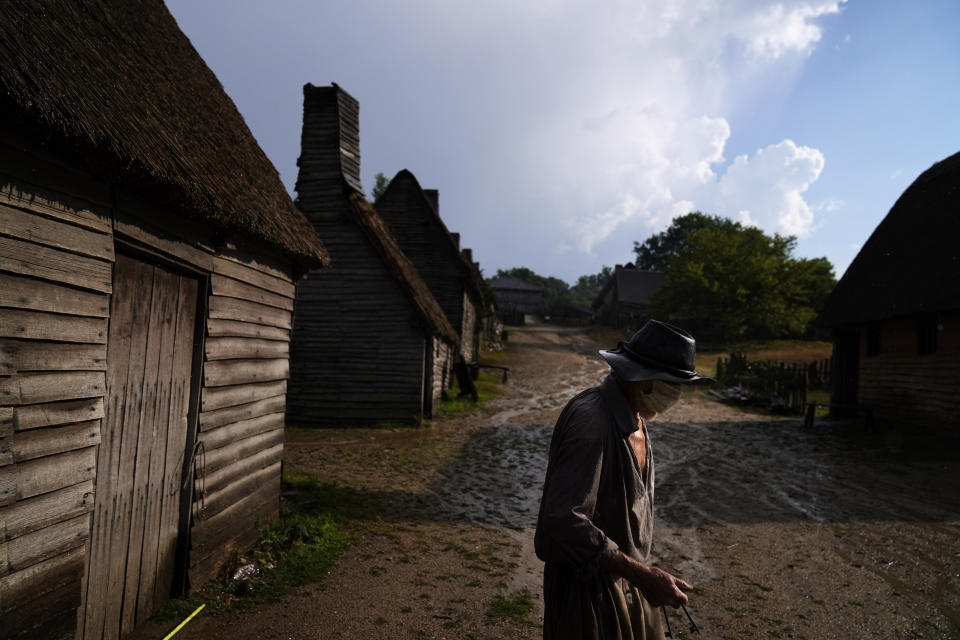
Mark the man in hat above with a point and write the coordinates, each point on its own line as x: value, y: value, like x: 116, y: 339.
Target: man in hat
x: 595, y: 525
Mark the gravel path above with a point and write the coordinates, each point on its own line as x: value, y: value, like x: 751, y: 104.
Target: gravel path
x: 786, y: 533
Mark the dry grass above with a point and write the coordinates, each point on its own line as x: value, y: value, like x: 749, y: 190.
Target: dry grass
x: 788, y: 351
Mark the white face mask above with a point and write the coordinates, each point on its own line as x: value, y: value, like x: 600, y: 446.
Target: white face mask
x: 662, y: 396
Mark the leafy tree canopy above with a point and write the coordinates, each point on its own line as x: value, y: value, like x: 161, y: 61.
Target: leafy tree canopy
x: 380, y: 185
x: 728, y: 281
x: 655, y: 252
x: 587, y: 288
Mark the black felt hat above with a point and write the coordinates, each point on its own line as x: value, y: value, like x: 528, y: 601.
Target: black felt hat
x: 658, y: 351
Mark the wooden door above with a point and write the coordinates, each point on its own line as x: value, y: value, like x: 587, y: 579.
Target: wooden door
x: 140, y: 461
x: 845, y: 371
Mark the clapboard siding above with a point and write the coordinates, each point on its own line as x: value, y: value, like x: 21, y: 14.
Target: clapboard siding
x: 26, y: 224
x: 33, y: 325
x: 424, y: 238
x: 224, y: 476
x: 54, y: 413
x: 470, y: 330
x: 231, y: 288
x: 47, y: 509
x: 40, y: 601
x: 27, y: 445
x: 354, y: 325
x: 216, y: 538
x: 31, y: 388
x: 51, y: 541
x: 29, y: 293
x: 255, y: 275
x: 442, y: 363
x: 364, y: 326
x: 56, y: 255
x: 23, y: 355
x: 56, y: 277
x: 225, y: 308
x: 221, y: 373
x: 30, y: 259
x: 900, y: 384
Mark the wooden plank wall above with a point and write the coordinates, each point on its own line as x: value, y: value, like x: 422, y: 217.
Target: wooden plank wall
x: 427, y: 243
x: 56, y: 255
x: 56, y: 258
x: 899, y: 384
x: 441, y: 365
x: 469, y: 330
x: 357, y: 355
x: 243, y: 399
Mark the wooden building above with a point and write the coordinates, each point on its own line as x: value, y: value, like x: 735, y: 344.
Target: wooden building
x: 413, y: 215
x: 516, y: 298
x: 148, y: 253
x: 370, y: 343
x: 895, y: 313
x: 625, y: 297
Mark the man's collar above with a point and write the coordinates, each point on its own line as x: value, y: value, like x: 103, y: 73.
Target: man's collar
x: 623, y: 415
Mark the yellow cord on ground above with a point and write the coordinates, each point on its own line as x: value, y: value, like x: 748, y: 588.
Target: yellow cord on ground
x: 182, y: 624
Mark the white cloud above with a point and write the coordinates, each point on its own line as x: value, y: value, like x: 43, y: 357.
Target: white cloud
x: 780, y: 29
x: 554, y: 129
x: 769, y: 187
x: 651, y: 147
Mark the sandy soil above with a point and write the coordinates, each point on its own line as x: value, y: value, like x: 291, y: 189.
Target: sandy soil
x: 786, y: 532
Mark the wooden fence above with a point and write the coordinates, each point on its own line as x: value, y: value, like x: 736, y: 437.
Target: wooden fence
x: 779, y: 383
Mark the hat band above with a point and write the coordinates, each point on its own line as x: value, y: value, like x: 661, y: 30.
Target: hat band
x: 647, y: 360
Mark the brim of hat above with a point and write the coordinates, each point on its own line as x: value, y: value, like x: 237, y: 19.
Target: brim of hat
x: 629, y: 370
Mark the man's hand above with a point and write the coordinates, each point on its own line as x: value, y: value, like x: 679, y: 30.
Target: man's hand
x: 660, y: 588
x: 657, y: 586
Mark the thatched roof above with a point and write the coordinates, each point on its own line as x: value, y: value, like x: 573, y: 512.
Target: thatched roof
x: 118, y: 84
x: 394, y: 203
x: 509, y: 283
x: 376, y: 230
x: 910, y: 263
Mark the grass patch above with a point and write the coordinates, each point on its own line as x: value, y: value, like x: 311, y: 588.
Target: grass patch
x: 781, y: 350
x: 488, y: 387
x: 515, y: 608
x: 299, y: 548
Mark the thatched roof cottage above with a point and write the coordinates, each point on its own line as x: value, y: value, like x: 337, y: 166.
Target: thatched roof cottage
x: 370, y: 343
x: 413, y: 214
x: 895, y: 313
x: 148, y: 253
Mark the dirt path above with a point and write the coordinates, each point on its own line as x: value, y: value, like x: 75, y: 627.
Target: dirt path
x: 786, y: 533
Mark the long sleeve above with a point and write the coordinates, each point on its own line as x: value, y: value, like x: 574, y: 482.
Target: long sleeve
x: 565, y: 531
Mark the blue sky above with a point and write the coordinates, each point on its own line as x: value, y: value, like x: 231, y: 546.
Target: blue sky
x: 558, y: 132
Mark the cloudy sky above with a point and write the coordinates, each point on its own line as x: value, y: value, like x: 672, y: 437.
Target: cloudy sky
x: 558, y: 132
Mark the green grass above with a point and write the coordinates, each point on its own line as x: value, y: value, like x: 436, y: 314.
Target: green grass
x: 515, y: 608
x: 300, y: 547
x: 488, y: 387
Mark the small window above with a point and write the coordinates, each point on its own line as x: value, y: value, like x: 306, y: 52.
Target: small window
x: 927, y: 329
x: 873, y: 341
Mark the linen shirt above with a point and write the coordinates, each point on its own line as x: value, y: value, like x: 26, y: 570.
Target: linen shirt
x: 595, y: 498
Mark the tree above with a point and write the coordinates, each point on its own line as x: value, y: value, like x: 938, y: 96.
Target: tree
x: 726, y: 281
x: 380, y: 185
x: 656, y: 251
x: 555, y: 290
x: 587, y: 288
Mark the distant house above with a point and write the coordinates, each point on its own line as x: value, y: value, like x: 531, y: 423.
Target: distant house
x: 413, y: 215
x: 515, y: 298
x: 895, y: 313
x: 625, y: 297
x: 370, y: 343
x: 148, y: 252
